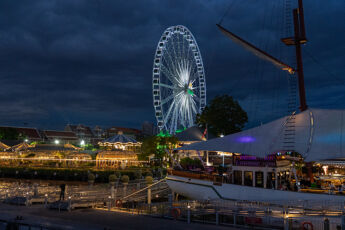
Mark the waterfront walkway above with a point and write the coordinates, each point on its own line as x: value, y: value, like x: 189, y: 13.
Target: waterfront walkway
x: 90, y: 219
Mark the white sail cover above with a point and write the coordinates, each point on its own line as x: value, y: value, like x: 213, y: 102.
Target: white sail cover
x: 319, y: 134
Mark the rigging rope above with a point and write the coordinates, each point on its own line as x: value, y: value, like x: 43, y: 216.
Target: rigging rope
x: 329, y: 73
x: 323, y: 67
x: 227, y: 11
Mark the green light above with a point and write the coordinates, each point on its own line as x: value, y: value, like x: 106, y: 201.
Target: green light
x: 190, y: 91
x: 163, y: 134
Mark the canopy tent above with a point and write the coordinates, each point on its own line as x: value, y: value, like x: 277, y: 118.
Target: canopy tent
x: 68, y: 145
x: 318, y: 135
x: 22, y: 146
x: 121, y: 141
x: 4, y: 147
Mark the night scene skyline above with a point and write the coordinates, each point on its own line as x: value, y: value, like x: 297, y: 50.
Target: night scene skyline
x: 90, y: 62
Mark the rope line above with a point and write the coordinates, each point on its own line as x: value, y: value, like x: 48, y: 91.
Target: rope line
x: 227, y: 11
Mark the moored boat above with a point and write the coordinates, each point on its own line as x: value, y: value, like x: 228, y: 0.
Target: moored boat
x: 314, y: 134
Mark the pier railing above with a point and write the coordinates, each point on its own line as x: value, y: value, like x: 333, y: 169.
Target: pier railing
x: 239, y: 214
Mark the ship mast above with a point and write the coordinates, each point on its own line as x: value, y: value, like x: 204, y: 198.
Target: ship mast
x: 298, y: 39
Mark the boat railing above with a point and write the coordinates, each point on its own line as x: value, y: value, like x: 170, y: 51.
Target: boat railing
x: 199, y: 175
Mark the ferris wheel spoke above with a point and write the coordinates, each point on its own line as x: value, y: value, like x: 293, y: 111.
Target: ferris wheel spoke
x: 169, y: 63
x: 169, y: 75
x: 173, y: 121
x: 193, y: 74
x: 166, y: 118
x: 167, y: 86
x: 171, y: 96
x: 195, y: 97
x: 165, y: 100
x: 175, y: 60
x: 178, y: 47
x: 194, y: 107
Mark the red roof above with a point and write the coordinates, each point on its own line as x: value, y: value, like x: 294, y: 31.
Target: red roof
x: 60, y: 134
x: 31, y: 133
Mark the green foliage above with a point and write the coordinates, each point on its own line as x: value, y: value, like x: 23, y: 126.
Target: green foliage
x: 157, y: 145
x: 75, y: 174
x: 138, y: 174
x: 188, y: 162
x: 8, y: 133
x: 148, y: 147
x: 88, y: 147
x: 223, y: 115
x: 112, y: 178
x: 149, y: 180
x: 124, y: 179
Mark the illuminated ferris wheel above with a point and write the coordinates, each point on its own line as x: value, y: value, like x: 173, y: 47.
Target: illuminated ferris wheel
x: 179, y: 87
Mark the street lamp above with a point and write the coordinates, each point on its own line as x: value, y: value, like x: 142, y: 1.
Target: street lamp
x: 56, y: 142
x: 82, y: 142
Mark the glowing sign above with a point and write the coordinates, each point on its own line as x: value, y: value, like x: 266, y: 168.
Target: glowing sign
x: 245, y: 139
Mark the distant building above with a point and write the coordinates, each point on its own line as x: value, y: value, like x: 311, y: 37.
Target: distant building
x: 130, y: 132
x: 149, y: 129
x: 81, y: 131
x: 32, y: 134
x: 98, y: 135
x: 60, y: 137
x: 98, y: 132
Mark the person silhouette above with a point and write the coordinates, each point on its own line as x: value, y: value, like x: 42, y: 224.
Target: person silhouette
x: 62, y: 192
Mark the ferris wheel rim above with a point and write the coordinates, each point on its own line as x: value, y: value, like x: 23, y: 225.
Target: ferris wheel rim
x: 195, y: 103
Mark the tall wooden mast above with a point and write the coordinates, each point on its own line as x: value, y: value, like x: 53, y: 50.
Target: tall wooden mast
x: 299, y: 39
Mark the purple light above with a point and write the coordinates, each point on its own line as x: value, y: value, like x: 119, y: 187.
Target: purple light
x: 245, y: 139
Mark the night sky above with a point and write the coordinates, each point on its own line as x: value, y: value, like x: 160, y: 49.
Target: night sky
x: 90, y: 62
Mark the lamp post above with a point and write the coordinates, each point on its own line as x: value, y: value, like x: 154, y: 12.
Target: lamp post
x: 46, y: 200
x: 222, y: 135
x: 188, y: 214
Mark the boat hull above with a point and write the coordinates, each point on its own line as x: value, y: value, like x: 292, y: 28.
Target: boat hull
x: 206, y: 190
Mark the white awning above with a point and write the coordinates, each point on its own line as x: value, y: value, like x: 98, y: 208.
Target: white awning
x: 317, y: 134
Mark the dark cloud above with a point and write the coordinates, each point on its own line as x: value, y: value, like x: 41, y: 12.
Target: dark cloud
x: 73, y: 61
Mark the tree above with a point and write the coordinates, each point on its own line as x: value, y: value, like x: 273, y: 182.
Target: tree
x: 223, y: 115
x: 157, y: 145
x: 189, y: 162
x: 8, y: 133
